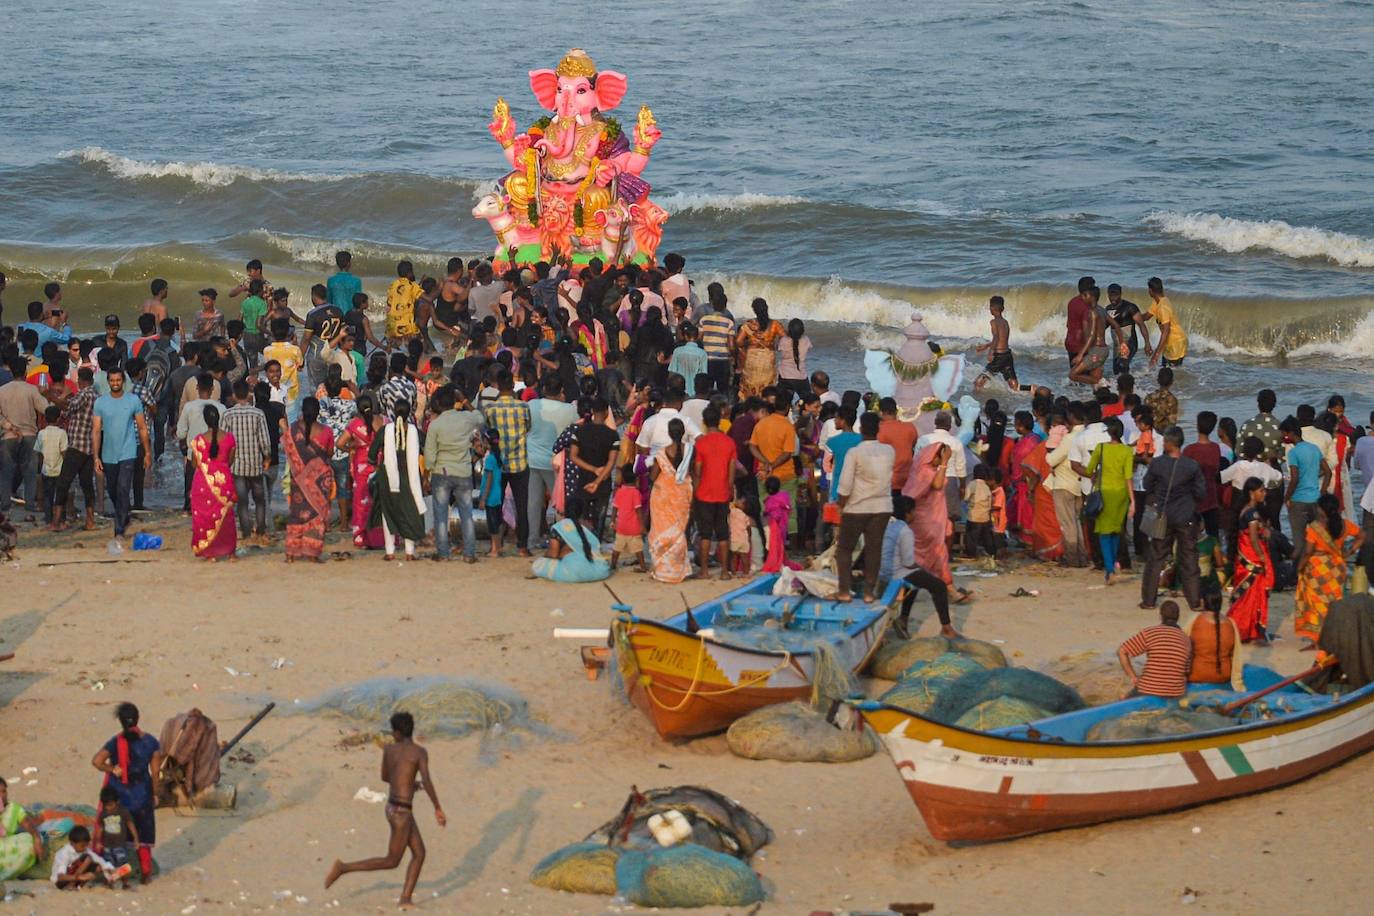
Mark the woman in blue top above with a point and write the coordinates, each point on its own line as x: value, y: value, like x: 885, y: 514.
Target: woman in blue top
x: 572, y: 556
x: 130, y: 761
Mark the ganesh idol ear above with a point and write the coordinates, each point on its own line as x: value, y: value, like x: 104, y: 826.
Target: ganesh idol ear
x: 610, y: 89
x: 544, y: 85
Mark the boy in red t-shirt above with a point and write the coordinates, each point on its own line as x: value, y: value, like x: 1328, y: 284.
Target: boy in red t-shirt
x: 629, y: 519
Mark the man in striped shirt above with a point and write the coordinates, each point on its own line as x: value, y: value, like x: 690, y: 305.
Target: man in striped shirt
x: 718, y: 337
x: 1168, y: 653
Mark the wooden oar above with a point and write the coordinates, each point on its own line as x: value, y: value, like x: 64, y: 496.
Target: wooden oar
x: 1232, y: 707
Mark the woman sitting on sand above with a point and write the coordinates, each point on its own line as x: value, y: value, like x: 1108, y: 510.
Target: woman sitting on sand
x: 573, y: 556
x: 20, y: 846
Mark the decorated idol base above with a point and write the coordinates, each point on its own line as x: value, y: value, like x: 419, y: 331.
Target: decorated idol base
x: 575, y: 189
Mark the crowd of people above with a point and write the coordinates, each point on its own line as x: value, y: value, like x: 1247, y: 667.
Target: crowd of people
x: 570, y: 408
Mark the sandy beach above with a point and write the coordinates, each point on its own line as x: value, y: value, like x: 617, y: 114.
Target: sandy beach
x: 161, y: 632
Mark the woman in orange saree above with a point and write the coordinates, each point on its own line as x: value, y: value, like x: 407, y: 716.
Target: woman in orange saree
x: 309, y: 445
x: 1046, y: 539
x: 1254, y: 572
x: 670, y: 508
x: 1321, y: 577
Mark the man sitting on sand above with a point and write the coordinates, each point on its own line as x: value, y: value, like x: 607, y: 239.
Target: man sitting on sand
x: 1168, y: 654
x: 402, y: 761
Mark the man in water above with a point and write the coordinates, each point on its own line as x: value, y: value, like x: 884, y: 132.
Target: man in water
x: 1173, y: 340
x: 402, y: 761
x: 1077, y: 314
x: 1127, y: 316
x: 156, y: 303
x: 1092, y: 355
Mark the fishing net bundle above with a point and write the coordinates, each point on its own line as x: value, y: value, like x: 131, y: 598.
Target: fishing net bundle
x: 451, y: 707
x: 956, y: 690
x: 1095, y: 675
x: 1158, y: 723
x: 622, y: 857
x: 685, y: 876
x: 800, y: 732
x: 896, y: 655
x: 978, y: 687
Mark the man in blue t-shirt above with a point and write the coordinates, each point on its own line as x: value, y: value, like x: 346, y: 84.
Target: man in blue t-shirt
x: 343, y: 285
x: 839, y: 445
x: 118, y: 429
x: 1308, y: 474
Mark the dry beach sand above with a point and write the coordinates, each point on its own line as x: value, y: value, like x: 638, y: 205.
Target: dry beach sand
x: 162, y: 632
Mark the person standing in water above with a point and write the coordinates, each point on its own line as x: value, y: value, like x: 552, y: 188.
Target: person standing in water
x: 404, y: 766
x: 1001, y: 362
x: 1173, y: 340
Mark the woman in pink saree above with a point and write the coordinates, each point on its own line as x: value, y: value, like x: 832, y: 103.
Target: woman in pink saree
x: 214, y: 533
x: 1020, y: 499
x: 356, y: 440
x: 926, y: 485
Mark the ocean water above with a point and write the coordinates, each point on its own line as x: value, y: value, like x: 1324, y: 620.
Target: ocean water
x: 849, y: 162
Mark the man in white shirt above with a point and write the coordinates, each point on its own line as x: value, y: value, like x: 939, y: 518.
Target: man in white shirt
x: 865, y: 500
x: 693, y: 407
x: 1081, y: 454
x: 653, y: 437
x: 1067, y: 490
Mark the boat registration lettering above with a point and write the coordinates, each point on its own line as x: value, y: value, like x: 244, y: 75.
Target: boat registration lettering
x: 753, y: 677
x: 1008, y: 761
x: 663, y: 655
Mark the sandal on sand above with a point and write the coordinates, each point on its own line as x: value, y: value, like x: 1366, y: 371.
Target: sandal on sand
x: 1021, y: 593
x: 965, y: 596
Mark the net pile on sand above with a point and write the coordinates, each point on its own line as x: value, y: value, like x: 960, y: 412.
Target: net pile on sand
x: 800, y: 732
x: 623, y: 857
x: 1158, y: 723
x: 452, y: 707
x: 957, y: 690
x: 897, y: 655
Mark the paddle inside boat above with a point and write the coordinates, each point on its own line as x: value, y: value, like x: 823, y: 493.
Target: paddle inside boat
x: 701, y: 669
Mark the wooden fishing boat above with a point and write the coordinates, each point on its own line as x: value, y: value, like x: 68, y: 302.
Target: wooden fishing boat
x: 692, y: 683
x: 1010, y: 782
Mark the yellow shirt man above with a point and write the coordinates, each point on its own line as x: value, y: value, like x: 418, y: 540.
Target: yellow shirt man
x: 289, y: 356
x: 1176, y: 347
x: 400, y: 308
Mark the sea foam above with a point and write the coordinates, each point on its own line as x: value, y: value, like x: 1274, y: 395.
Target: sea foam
x: 205, y: 174
x: 685, y: 202
x: 1237, y: 235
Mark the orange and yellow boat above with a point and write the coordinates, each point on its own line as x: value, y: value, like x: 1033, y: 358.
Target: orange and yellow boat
x: 698, y: 671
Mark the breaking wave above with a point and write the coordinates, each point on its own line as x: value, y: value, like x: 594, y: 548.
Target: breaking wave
x: 1237, y: 235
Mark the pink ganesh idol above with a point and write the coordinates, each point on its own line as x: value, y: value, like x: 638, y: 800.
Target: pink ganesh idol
x: 574, y: 164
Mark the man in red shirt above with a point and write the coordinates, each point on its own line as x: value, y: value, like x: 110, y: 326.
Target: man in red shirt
x: 901, y: 436
x: 715, y: 461
x: 1077, y: 318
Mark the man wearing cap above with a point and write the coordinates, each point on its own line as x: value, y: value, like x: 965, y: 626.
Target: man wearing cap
x: 112, y: 342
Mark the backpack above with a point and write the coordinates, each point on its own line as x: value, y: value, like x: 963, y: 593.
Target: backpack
x: 158, y: 370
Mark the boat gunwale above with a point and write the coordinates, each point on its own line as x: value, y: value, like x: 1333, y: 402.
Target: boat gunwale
x: 1340, y: 705
x: 879, y: 609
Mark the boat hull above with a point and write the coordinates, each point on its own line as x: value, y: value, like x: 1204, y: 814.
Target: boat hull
x: 972, y: 786
x: 687, y: 685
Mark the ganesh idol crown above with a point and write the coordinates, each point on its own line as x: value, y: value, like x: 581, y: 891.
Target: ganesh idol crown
x: 575, y: 190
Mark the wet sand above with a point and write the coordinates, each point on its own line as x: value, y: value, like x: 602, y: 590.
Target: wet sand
x: 160, y: 632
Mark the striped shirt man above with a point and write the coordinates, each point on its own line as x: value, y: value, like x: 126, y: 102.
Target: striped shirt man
x: 1168, y: 653
x: 717, y: 328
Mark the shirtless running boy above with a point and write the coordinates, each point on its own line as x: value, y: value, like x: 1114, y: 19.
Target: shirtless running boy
x: 402, y: 761
x: 1001, y: 362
